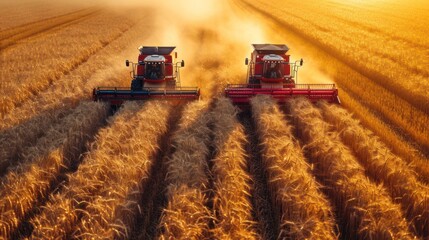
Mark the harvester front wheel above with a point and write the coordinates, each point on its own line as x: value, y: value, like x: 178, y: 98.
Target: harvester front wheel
x: 136, y: 84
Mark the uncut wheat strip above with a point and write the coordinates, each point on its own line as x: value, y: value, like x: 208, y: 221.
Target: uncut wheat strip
x: 365, y: 209
x: 63, y: 211
x: 29, y: 183
x: 303, y: 211
x: 186, y: 215
x: 113, y: 213
x: 231, y: 180
x: 383, y: 166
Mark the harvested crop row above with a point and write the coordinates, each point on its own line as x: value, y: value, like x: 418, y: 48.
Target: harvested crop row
x: 365, y: 210
x: 186, y: 215
x: 384, y: 167
x: 25, y: 186
x: 231, y: 180
x: 303, y: 210
x: 102, y: 196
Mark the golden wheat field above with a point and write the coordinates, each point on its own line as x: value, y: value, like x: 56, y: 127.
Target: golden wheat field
x: 72, y: 168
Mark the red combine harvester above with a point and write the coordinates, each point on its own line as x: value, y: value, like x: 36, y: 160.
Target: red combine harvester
x: 155, y: 75
x: 270, y: 72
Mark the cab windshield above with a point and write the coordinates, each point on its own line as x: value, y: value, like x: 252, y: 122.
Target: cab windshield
x: 273, y: 69
x: 155, y: 70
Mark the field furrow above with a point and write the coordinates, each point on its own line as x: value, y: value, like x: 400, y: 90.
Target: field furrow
x: 27, y: 185
x: 303, y: 212
x: 266, y: 222
x: 153, y: 196
x: 117, y: 203
x: 109, y: 180
x: 187, y: 215
x: 232, y: 182
x: 365, y: 210
x: 72, y: 168
x: 384, y: 167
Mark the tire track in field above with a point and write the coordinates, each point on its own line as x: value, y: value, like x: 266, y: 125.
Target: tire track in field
x: 12, y: 36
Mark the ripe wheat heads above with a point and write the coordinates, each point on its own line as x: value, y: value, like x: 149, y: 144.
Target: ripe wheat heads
x: 186, y: 215
x: 365, y: 209
x: 231, y: 180
x: 384, y: 167
x: 303, y: 211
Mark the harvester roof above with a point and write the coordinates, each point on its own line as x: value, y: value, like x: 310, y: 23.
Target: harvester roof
x: 271, y: 48
x: 149, y: 50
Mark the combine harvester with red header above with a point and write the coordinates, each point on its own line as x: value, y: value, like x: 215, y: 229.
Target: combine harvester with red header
x: 270, y: 72
x: 154, y: 76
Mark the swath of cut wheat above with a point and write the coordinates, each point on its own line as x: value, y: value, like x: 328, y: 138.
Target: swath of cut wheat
x: 303, y: 211
x: 232, y: 186
x: 117, y: 204
x: 27, y: 185
x: 366, y: 209
x: 383, y: 166
x: 114, y: 166
x: 186, y: 215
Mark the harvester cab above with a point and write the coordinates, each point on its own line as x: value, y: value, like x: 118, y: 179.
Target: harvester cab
x: 271, y: 72
x: 154, y: 75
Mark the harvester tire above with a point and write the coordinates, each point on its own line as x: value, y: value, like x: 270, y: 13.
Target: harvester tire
x: 136, y: 84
